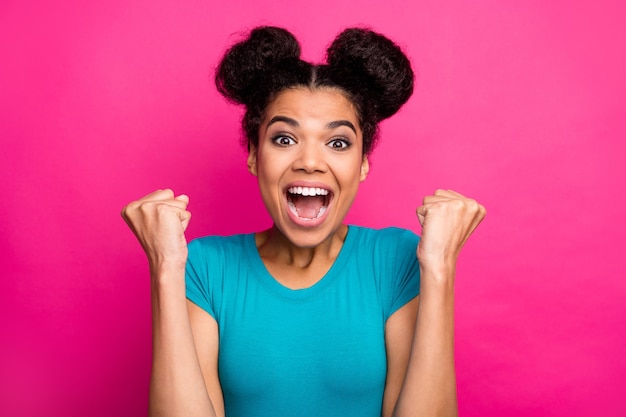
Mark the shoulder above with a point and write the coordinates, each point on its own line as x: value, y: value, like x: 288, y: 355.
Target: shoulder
x: 213, y: 261
x: 388, y: 248
x: 214, y: 252
x: 387, y: 237
x: 391, y: 255
x: 212, y: 243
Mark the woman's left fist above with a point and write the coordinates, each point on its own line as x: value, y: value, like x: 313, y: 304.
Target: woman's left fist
x: 448, y: 220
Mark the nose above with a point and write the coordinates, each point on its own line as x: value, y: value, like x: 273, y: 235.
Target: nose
x: 310, y: 158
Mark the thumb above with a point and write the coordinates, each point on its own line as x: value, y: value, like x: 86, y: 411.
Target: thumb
x: 185, y: 217
x: 183, y: 197
x: 421, y: 214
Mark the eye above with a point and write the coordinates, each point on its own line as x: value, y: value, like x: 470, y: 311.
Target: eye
x: 339, y: 143
x: 283, y: 140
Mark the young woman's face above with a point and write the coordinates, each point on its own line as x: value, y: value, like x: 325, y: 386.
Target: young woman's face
x: 309, y: 162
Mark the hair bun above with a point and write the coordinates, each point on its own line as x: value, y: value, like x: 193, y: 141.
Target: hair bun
x: 371, y: 64
x: 245, y: 64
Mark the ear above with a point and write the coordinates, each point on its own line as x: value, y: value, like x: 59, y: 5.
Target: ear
x: 365, y: 168
x: 252, y: 160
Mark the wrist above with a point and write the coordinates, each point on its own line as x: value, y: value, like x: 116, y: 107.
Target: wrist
x: 438, y: 274
x: 167, y: 286
x: 437, y: 264
x: 165, y: 271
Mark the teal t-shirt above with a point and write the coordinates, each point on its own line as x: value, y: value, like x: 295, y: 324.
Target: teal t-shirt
x: 318, y: 351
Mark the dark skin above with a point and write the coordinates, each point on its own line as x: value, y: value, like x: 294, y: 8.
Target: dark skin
x: 298, y: 251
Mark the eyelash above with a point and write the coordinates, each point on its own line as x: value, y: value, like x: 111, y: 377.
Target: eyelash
x: 345, y: 143
x: 277, y: 140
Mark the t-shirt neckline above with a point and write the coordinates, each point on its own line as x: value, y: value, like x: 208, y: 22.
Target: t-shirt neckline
x: 268, y: 281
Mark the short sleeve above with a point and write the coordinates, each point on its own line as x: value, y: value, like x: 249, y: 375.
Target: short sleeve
x: 405, y: 279
x: 197, y: 276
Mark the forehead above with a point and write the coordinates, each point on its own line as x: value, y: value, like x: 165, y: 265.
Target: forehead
x: 324, y: 104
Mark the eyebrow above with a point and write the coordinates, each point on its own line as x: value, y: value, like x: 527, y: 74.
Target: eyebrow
x: 337, y: 123
x: 294, y: 123
x: 284, y: 119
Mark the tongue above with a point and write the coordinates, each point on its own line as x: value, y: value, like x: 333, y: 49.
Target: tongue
x: 308, y: 207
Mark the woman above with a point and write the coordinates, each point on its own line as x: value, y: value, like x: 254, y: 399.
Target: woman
x: 310, y: 317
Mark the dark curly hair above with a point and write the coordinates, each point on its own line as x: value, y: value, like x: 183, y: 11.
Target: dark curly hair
x: 371, y: 70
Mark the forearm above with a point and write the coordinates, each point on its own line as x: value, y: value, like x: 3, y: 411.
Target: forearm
x: 177, y: 386
x: 429, y: 387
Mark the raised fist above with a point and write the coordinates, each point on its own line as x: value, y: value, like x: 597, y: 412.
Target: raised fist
x: 448, y: 219
x: 159, y: 221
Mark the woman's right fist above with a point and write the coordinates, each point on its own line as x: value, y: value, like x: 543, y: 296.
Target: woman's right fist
x: 159, y: 221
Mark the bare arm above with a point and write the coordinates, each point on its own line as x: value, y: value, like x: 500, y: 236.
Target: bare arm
x: 429, y: 386
x: 177, y: 386
x: 206, y: 337
x: 399, y: 332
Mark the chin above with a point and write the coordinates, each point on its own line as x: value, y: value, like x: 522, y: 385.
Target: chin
x: 308, y: 238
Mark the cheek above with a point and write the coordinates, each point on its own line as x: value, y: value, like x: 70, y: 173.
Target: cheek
x: 349, y: 176
x: 268, y: 177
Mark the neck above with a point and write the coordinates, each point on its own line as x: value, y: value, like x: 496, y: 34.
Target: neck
x: 275, y: 247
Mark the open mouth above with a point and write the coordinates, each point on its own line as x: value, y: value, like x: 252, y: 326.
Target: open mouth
x: 308, y: 203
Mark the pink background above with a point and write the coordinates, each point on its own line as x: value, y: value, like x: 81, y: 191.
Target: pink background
x: 518, y: 103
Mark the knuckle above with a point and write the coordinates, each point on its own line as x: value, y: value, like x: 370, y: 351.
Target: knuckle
x: 146, y: 207
x: 128, y: 210
x: 457, y: 204
x: 473, y: 204
x: 161, y: 208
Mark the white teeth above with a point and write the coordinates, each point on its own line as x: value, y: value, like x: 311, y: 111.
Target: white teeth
x: 308, y: 191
